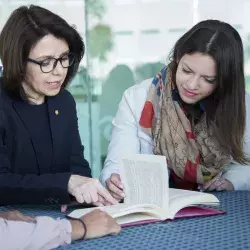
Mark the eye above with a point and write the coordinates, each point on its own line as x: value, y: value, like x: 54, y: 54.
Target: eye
x: 45, y: 62
x: 210, y: 80
x: 186, y: 71
x: 65, y: 58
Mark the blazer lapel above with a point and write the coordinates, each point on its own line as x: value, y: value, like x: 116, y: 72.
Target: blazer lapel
x: 20, y: 109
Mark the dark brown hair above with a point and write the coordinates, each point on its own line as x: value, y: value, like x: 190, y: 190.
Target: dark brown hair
x: 223, y: 43
x: 24, y: 28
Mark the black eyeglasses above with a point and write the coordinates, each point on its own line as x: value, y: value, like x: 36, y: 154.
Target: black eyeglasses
x: 49, y: 64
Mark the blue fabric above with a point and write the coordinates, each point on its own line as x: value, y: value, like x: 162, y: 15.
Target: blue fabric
x: 24, y: 179
x: 39, y: 130
x: 220, y: 232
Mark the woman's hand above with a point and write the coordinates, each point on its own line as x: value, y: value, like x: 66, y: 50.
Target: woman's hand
x: 90, y: 191
x: 17, y: 216
x: 218, y: 183
x: 115, y: 187
x: 98, y: 224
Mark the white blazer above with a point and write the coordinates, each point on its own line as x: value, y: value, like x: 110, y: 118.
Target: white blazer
x: 128, y: 138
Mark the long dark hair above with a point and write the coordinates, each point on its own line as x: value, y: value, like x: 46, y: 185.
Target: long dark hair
x: 24, y: 28
x: 223, y: 43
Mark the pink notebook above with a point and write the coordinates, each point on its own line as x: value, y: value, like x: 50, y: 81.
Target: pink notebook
x: 187, y: 212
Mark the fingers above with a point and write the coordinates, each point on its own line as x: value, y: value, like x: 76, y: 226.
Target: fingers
x: 94, y: 196
x: 115, y: 187
x: 115, y: 190
x: 27, y: 218
x: 98, y: 204
x: 78, y: 196
x: 87, y: 197
x: 212, y: 184
x: 115, y: 178
x: 16, y: 215
x: 208, y: 184
x: 88, y: 190
x: 218, y: 184
x: 220, y: 188
x: 99, y: 224
x: 225, y: 185
x: 64, y: 208
x: 117, y: 197
x: 115, y: 229
x: 103, y: 201
x: 106, y: 195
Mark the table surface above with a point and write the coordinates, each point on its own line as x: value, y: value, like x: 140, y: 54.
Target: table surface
x: 228, y: 231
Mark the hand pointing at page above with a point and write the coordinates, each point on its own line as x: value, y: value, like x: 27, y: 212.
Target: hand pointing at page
x: 115, y: 187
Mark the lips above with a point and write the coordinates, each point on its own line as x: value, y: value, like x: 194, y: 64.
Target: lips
x: 189, y: 93
x: 53, y: 83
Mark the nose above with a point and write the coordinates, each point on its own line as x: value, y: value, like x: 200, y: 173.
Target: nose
x: 193, y: 83
x: 58, y: 70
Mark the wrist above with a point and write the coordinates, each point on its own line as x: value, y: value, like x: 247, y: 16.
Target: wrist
x: 78, y: 229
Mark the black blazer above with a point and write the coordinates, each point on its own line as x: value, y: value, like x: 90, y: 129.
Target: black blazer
x: 22, y: 178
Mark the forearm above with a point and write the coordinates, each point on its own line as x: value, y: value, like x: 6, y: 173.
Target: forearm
x: 46, y: 233
x: 107, y: 171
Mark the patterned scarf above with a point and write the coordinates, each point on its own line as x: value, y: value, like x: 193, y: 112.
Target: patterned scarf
x: 193, y: 154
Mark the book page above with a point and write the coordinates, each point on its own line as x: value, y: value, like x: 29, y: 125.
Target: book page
x: 111, y: 210
x: 145, y: 179
x: 179, y: 199
x: 136, y: 217
x: 123, y: 213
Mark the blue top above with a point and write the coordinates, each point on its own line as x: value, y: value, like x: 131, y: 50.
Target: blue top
x: 39, y: 128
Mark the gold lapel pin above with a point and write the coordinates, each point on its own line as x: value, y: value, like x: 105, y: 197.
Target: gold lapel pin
x: 57, y: 112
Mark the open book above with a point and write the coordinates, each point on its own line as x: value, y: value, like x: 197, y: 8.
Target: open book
x: 148, y: 196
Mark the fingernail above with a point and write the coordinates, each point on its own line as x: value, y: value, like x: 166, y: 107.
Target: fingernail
x: 121, y: 186
x: 123, y: 195
x: 63, y: 208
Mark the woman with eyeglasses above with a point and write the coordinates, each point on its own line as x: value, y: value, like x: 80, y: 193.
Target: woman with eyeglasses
x: 41, y: 155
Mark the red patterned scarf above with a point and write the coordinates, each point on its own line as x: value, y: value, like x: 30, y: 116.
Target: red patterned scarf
x: 193, y: 154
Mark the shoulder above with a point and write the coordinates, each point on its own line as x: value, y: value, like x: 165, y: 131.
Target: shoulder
x: 138, y: 92
x: 134, y: 98
x: 140, y: 87
x: 65, y: 98
x: 66, y: 95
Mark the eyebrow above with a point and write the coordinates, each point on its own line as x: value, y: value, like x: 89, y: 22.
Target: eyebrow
x: 205, y: 76
x: 50, y: 56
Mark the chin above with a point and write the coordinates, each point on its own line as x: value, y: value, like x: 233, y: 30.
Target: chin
x: 188, y: 100
x: 53, y: 93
